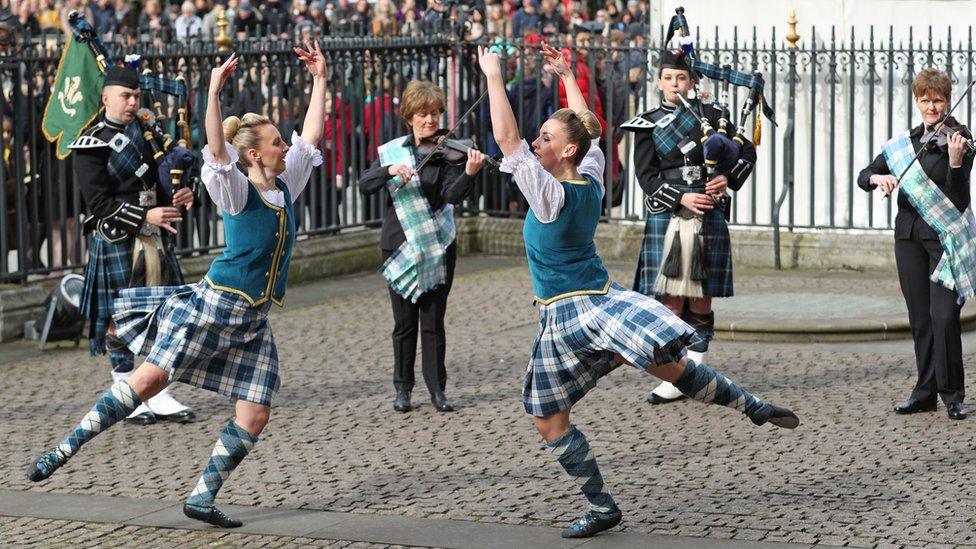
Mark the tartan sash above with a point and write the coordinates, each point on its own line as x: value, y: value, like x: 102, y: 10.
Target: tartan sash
x: 123, y: 164
x: 418, y: 265
x: 957, y: 230
x: 668, y: 133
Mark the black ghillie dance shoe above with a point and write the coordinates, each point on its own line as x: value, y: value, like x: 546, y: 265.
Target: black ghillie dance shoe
x: 210, y: 514
x: 777, y: 415
x: 591, y: 524
x: 46, y: 465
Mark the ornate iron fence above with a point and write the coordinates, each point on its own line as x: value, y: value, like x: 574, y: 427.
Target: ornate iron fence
x: 838, y: 96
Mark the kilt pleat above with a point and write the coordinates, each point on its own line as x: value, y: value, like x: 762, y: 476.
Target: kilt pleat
x: 578, y: 336
x: 109, y: 271
x: 718, y: 254
x: 208, y: 338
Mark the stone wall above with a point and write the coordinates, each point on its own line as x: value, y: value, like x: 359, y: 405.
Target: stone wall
x: 357, y: 251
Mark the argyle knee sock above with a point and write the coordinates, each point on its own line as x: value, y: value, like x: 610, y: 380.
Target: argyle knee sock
x: 115, y: 404
x: 702, y: 383
x: 231, y: 448
x: 573, y: 452
x: 704, y: 326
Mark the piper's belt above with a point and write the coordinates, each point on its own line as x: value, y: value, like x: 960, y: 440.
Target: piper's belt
x: 685, y: 175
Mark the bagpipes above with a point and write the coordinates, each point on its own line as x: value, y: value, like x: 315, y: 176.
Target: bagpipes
x: 720, y: 151
x: 173, y: 157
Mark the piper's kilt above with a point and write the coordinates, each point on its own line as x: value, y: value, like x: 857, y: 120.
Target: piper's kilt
x: 578, y: 336
x: 108, y: 271
x: 209, y: 338
x: 718, y: 254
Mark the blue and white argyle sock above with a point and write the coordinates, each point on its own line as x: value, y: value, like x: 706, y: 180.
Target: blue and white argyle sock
x: 117, y: 403
x: 573, y: 452
x: 704, y: 384
x: 231, y: 449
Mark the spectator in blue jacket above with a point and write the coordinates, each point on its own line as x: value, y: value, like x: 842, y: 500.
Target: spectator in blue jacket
x: 527, y: 16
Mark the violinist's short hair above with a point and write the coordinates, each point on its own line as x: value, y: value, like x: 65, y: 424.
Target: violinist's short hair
x: 932, y: 81
x: 421, y: 96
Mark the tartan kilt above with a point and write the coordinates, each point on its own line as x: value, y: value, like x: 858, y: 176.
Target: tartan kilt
x: 108, y: 271
x: 578, y: 336
x: 718, y: 254
x: 212, y: 339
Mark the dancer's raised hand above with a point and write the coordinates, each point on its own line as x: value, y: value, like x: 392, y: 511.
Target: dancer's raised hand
x: 555, y: 62
x: 313, y: 58
x: 490, y: 62
x: 219, y: 75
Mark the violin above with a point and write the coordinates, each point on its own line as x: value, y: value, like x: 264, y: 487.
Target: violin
x: 941, y: 138
x: 451, y: 151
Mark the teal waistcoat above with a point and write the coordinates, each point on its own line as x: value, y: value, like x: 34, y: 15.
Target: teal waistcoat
x: 562, y: 256
x: 259, y: 242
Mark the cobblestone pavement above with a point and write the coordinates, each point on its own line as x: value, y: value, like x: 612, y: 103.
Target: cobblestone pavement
x: 33, y: 532
x: 852, y: 474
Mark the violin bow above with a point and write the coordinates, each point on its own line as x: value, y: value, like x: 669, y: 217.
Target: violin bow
x: 441, y: 139
x: 935, y: 131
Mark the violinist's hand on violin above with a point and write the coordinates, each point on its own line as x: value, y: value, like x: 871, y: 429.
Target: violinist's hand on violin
x: 402, y: 171
x: 476, y: 161
x: 887, y: 183
x: 957, y: 148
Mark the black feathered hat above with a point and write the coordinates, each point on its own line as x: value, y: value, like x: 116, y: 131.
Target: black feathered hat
x: 671, y: 59
x: 121, y: 76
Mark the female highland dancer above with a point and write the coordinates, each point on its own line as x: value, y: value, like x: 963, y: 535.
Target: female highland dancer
x: 588, y: 325
x: 215, y: 334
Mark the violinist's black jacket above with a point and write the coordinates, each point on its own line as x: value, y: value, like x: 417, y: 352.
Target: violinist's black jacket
x: 440, y: 181
x: 954, y: 182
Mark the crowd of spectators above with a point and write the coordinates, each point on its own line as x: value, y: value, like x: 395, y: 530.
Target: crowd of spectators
x: 604, y: 41
x: 141, y: 20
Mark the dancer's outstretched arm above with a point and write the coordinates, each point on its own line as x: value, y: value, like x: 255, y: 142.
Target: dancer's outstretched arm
x: 503, y: 124
x: 315, y: 116
x: 556, y: 63
x: 214, y: 121
x: 304, y: 153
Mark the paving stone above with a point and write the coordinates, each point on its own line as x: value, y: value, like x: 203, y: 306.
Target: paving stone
x: 853, y: 471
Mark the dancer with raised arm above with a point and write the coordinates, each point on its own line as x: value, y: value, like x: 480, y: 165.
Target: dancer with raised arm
x: 215, y: 334
x: 588, y: 324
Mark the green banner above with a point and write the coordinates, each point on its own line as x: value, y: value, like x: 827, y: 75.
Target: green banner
x: 75, y: 98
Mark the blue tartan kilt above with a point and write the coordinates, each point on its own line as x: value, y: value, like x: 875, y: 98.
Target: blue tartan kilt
x: 718, y: 254
x: 109, y: 271
x: 578, y: 336
x: 212, y: 339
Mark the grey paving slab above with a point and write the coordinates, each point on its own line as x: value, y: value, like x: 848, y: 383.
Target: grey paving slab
x: 443, y: 533
x: 853, y: 474
x: 76, y: 506
x: 324, y: 525
x: 257, y: 520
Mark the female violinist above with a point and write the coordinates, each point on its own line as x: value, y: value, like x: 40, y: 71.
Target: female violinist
x: 933, y: 309
x: 419, y: 256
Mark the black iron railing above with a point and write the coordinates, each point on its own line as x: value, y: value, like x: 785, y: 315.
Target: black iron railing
x: 841, y: 96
